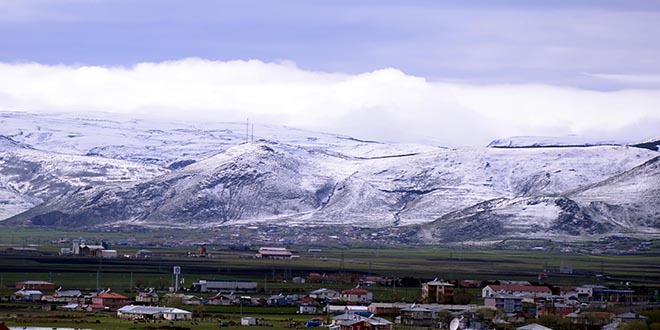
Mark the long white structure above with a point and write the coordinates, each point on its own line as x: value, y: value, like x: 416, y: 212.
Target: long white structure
x: 153, y: 313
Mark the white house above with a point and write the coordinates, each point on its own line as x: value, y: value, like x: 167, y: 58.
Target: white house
x: 518, y: 290
x: 304, y: 309
x: 223, y: 299
x: 325, y: 294
x: 67, y: 295
x: 27, y: 295
x: 248, y: 321
x: 153, y: 313
x: 331, y: 309
x: 587, y: 290
x: 150, y: 297
x: 356, y: 295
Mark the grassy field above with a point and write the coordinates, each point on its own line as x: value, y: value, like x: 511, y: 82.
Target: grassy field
x: 412, y: 265
x: 420, y: 262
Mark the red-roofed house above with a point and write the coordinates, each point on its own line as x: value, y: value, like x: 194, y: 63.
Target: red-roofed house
x: 518, y: 290
x: 356, y: 295
x: 107, y: 300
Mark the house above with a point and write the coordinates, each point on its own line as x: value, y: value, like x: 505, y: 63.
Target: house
x: 505, y: 302
x: 384, y: 309
x: 74, y: 307
x: 371, y: 280
x: 417, y: 316
x: 150, y: 297
x: 440, y: 292
x: 325, y: 294
x: 106, y: 300
x: 109, y: 254
x: 273, y: 253
x: 306, y: 309
x: 90, y: 250
x: 629, y: 317
x: 334, y: 309
x: 586, y: 292
x: 277, y: 300
x: 533, y: 326
x: 518, y: 290
x: 513, y: 282
x: 248, y: 321
x: 306, y: 301
x: 144, y: 254
x: 590, y: 318
x: 555, y: 305
x: 613, y: 295
x: 363, y: 323
x: 224, y: 285
x: 27, y: 295
x: 153, y: 313
x: 35, y: 285
x: 67, y: 295
x: 192, y: 300
x: 356, y: 296
x: 223, y: 299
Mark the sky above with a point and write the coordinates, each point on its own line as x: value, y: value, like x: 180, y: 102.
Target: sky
x: 448, y: 72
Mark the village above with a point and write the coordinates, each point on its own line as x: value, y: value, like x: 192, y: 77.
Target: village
x: 341, y: 300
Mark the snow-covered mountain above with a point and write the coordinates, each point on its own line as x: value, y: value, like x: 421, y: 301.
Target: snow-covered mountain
x: 626, y: 204
x: 29, y: 177
x: 550, y: 142
x: 159, y: 142
x: 162, y: 174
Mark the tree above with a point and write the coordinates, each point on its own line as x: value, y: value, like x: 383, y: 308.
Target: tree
x: 636, y: 325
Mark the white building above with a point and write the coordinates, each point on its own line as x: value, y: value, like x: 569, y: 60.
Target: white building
x: 304, y: 309
x: 109, y: 254
x: 587, y: 291
x: 153, y: 313
x: 324, y: 293
x: 224, y: 285
x: 356, y: 295
x: 27, y: 295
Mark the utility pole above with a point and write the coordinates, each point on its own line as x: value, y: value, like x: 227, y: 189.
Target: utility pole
x: 98, y: 276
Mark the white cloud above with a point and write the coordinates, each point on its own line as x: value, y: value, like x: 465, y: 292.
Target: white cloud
x: 384, y: 104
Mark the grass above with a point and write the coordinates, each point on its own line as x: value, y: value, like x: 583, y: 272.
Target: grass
x: 274, y: 276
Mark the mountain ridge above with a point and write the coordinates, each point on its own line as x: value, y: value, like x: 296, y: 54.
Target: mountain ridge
x: 315, y: 179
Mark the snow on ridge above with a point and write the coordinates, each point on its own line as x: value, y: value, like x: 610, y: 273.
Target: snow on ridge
x: 549, y: 141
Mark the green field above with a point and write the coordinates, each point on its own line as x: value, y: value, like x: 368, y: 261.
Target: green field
x: 411, y: 265
x: 225, y: 263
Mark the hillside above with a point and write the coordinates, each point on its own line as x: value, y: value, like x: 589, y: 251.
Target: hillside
x: 159, y: 174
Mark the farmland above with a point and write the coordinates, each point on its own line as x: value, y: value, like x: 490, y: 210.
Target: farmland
x: 29, y: 254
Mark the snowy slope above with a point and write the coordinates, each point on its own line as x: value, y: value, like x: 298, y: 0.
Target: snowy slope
x: 283, y: 183
x: 150, y: 141
x: 28, y: 177
x: 114, y: 172
x: 551, y: 142
x: 627, y: 203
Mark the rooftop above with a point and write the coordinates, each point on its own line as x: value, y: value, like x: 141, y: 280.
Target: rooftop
x: 151, y: 310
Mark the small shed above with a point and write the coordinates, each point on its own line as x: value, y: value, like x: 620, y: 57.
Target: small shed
x: 248, y: 321
x: 307, y: 309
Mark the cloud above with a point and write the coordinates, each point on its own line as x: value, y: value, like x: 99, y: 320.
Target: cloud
x: 384, y: 104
